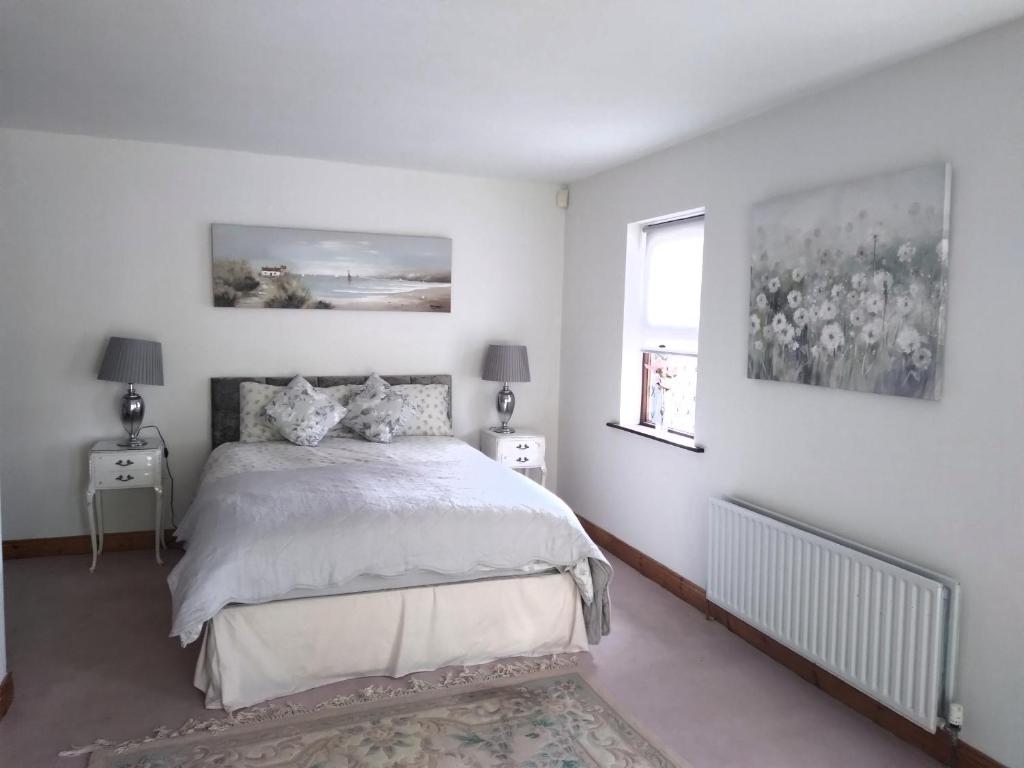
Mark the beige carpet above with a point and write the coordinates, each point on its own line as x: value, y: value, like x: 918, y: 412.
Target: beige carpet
x: 478, y: 720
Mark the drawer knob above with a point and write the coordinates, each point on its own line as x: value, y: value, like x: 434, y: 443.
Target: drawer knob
x: 522, y: 459
x: 124, y: 462
x: 522, y: 446
x: 125, y: 478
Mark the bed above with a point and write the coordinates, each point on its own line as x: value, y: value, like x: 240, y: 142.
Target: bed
x: 309, y: 565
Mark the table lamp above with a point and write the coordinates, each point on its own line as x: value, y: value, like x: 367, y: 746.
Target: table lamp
x: 132, y: 361
x: 505, y: 363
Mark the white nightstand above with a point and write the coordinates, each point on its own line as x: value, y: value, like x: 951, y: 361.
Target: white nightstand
x: 523, y: 449
x: 112, y: 468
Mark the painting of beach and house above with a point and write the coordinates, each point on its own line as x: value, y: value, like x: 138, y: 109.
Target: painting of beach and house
x: 281, y: 268
x: 848, y: 285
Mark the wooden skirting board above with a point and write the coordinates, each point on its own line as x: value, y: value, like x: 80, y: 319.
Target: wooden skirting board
x: 6, y: 694
x: 80, y: 545
x: 939, y: 745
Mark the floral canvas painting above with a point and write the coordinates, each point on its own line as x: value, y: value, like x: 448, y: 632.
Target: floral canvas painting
x: 281, y: 268
x: 848, y: 285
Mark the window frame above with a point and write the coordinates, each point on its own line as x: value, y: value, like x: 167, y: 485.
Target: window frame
x: 638, y: 336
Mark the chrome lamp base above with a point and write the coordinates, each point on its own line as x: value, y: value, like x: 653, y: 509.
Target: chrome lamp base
x: 505, y: 403
x: 133, y: 409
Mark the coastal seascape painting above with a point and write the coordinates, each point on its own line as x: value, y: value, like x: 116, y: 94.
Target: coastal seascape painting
x: 281, y: 268
x: 848, y: 285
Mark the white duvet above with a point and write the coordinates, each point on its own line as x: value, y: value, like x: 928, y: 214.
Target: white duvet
x: 276, y: 520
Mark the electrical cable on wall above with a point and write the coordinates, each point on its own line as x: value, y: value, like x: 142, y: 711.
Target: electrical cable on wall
x: 167, y: 464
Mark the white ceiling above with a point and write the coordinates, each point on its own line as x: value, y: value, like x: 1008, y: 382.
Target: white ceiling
x: 541, y: 89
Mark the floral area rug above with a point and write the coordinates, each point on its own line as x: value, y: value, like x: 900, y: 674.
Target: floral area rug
x: 549, y: 722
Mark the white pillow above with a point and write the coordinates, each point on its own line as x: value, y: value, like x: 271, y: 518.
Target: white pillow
x: 426, y: 409
x: 302, y: 414
x: 376, y: 412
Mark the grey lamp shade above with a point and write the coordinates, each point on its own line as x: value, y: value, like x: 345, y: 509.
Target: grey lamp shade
x: 506, y: 362
x: 132, y: 361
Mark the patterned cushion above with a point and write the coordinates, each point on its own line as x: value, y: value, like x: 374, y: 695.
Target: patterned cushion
x: 343, y: 393
x: 303, y: 414
x: 254, y: 398
x: 426, y: 409
x: 376, y: 411
x: 253, y: 426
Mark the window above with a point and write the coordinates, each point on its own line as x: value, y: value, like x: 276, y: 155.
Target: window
x: 661, y: 324
x: 669, y: 391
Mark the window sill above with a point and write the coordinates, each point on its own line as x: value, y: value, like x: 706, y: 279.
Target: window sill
x: 679, y: 441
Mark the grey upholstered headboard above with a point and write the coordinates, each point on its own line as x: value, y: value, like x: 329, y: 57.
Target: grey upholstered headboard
x: 225, y: 403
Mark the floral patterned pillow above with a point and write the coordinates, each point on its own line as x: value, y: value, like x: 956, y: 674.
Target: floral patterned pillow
x: 302, y: 414
x: 426, y: 409
x: 253, y: 426
x: 376, y: 412
x: 343, y: 393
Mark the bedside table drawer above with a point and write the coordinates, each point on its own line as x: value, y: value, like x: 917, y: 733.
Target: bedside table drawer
x: 132, y: 462
x: 521, y: 446
x: 124, y: 477
x: 524, y: 452
x: 525, y: 461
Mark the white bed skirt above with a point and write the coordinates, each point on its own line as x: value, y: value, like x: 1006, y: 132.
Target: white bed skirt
x: 252, y: 653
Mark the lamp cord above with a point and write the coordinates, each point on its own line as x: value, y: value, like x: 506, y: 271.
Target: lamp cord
x: 167, y: 464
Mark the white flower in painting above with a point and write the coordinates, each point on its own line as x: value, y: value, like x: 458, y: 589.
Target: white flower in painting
x: 915, y: 290
x: 779, y: 322
x: 832, y: 337
x: 818, y: 290
x: 794, y: 346
x: 836, y: 290
x: 906, y: 252
x: 814, y: 312
x: 872, y: 332
x: 908, y: 339
x: 857, y: 316
x: 904, y: 305
x: 858, y: 280
x: 794, y: 298
x: 800, y: 317
x: 761, y: 301
x: 829, y: 310
x: 874, y: 303
x: 882, y: 280
x: 774, y: 284
x: 942, y: 250
x: 798, y: 274
x: 755, y: 324
x: 758, y: 345
x: 853, y: 297
x: 787, y: 334
x: 921, y: 358
x: 814, y: 351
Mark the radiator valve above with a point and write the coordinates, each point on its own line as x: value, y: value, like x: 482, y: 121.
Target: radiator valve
x: 956, y: 715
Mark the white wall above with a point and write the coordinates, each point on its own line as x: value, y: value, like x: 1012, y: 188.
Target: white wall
x: 104, y: 237
x: 938, y: 483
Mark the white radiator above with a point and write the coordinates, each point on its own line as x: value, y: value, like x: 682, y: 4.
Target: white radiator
x: 885, y: 626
